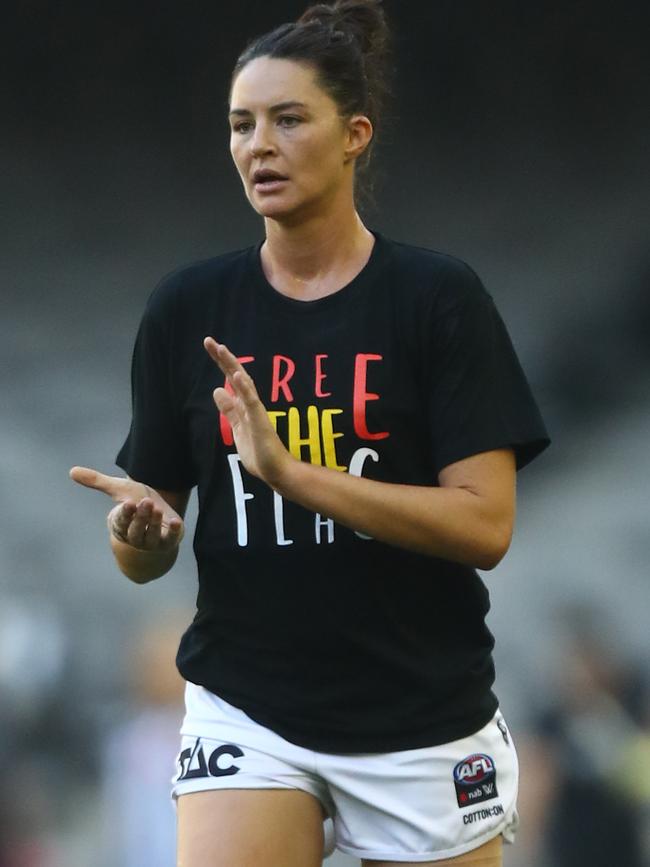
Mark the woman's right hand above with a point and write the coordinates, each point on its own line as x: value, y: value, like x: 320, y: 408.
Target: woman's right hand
x: 141, y: 518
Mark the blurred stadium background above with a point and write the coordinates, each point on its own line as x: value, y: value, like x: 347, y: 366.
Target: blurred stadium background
x: 518, y: 140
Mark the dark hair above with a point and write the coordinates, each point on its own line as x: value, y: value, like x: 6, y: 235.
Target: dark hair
x: 347, y: 43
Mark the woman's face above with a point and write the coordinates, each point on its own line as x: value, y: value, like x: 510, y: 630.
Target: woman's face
x: 282, y: 122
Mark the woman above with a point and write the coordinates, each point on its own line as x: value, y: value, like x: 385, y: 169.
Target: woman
x: 358, y: 467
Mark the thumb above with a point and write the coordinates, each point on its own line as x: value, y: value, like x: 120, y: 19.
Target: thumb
x: 92, y: 479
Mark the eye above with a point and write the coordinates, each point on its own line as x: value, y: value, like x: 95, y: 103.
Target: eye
x: 289, y: 121
x: 242, y: 126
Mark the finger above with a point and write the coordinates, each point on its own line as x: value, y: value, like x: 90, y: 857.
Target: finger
x: 220, y: 353
x: 172, y: 535
x: 225, y: 402
x: 120, y: 519
x: 92, y: 479
x: 211, y: 346
x: 238, y: 380
x: 151, y: 539
x: 245, y: 388
x: 138, y: 525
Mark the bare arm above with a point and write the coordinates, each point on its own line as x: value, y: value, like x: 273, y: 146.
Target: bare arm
x: 145, y: 526
x: 468, y: 519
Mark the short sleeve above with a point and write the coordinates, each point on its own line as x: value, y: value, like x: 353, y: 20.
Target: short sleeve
x: 479, y: 397
x: 156, y: 449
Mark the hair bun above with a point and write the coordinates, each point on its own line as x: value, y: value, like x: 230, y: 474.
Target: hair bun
x: 321, y: 13
x: 362, y: 19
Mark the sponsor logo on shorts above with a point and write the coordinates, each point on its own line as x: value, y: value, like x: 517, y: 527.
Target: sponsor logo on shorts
x: 484, y: 813
x: 475, y: 779
x: 193, y: 763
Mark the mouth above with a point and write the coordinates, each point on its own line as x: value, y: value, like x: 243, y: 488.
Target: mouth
x: 267, y: 181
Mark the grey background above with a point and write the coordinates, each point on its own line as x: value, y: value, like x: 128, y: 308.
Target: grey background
x: 517, y: 139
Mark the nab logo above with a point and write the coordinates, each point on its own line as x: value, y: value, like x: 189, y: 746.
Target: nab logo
x: 193, y: 763
x: 475, y: 779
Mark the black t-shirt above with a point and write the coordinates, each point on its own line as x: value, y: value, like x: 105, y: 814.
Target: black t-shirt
x: 337, y: 642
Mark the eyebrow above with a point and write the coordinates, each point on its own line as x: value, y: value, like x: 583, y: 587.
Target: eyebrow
x: 280, y: 106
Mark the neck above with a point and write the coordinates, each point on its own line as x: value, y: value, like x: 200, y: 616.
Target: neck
x: 315, y: 247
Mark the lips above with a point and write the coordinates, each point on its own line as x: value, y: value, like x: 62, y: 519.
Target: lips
x: 265, y: 176
x: 268, y: 181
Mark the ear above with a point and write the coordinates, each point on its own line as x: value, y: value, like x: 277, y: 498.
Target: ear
x: 359, y: 136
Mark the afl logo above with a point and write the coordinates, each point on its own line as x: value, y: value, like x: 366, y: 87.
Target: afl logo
x: 473, y: 769
x: 475, y: 779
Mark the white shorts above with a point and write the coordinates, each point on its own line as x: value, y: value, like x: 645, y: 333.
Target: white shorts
x: 412, y: 805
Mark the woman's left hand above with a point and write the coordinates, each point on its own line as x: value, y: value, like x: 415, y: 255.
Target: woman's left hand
x: 260, y: 448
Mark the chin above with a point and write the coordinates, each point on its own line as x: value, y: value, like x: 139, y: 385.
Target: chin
x: 280, y: 211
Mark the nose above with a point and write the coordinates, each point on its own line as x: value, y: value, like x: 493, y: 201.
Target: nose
x: 261, y: 143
